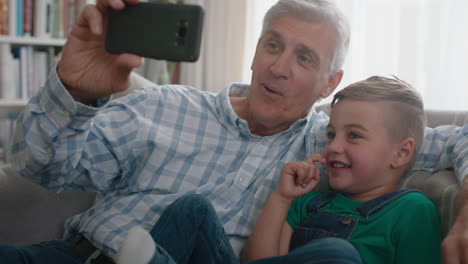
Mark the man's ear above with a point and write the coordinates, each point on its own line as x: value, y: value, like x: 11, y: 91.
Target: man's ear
x: 404, y: 153
x: 333, y: 80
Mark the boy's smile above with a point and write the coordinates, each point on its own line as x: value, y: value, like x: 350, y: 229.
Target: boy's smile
x: 334, y: 164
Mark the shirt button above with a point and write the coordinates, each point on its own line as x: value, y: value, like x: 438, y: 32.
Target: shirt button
x: 66, y: 114
x: 241, y: 180
x: 241, y: 126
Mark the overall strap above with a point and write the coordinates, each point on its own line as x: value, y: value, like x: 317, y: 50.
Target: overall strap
x: 319, y: 201
x: 371, y: 207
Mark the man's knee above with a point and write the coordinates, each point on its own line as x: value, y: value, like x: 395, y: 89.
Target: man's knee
x: 193, y: 204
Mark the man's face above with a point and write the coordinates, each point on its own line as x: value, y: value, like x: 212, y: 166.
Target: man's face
x: 289, y: 71
x: 360, y: 149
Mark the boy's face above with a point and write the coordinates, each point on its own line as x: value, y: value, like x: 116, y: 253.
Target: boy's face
x: 360, y: 150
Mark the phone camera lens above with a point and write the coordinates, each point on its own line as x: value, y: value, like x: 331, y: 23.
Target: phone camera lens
x: 182, y: 32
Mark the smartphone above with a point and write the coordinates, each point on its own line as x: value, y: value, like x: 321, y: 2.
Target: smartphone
x: 161, y: 31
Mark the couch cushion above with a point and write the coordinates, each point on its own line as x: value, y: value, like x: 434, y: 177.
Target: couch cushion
x: 31, y: 214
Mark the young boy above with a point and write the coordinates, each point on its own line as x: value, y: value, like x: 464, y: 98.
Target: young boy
x: 376, y: 127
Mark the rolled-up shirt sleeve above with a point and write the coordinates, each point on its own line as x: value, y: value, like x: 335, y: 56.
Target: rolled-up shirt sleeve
x: 59, y: 143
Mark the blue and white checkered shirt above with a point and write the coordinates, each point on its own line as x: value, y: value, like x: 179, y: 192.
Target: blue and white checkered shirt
x: 143, y: 151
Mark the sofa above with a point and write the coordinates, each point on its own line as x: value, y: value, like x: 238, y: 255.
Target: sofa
x: 30, y: 214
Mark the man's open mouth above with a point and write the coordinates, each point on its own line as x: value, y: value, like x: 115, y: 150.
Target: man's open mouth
x: 272, y: 90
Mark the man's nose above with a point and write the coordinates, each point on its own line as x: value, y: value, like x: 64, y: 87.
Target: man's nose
x: 281, y: 66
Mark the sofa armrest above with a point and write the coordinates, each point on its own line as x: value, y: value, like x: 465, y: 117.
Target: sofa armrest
x: 32, y: 214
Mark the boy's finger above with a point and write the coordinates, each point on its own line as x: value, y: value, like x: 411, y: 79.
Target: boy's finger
x: 311, y: 159
x: 304, y: 175
x: 317, y: 174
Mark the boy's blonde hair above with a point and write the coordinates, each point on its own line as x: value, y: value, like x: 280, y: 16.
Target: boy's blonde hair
x: 408, y: 119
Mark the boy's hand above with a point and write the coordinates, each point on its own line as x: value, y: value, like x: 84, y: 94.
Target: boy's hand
x: 299, y: 178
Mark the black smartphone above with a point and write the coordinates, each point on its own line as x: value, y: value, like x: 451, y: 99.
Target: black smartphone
x: 160, y: 31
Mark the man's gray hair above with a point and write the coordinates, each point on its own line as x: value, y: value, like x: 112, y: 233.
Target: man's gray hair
x: 316, y: 11
x: 408, y: 119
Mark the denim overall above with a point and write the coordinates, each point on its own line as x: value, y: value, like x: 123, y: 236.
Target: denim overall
x: 328, y: 224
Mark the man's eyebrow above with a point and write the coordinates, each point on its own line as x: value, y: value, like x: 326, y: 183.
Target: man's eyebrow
x: 274, y: 34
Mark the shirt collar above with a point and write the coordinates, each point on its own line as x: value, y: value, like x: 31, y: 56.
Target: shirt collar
x: 237, y: 125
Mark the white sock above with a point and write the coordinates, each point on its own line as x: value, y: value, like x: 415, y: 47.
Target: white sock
x: 137, y: 248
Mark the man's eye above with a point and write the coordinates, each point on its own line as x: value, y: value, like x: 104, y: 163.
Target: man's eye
x: 272, y: 46
x: 304, y: 59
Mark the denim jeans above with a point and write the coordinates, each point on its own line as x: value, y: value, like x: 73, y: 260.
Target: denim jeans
x: 190, y: 232
x: 51, y: 252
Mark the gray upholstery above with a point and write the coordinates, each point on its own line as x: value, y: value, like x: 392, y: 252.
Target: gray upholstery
x: 30, y: 214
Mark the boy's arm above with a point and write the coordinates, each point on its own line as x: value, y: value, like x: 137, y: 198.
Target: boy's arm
x: 285, y: 239
x: 267, y: 238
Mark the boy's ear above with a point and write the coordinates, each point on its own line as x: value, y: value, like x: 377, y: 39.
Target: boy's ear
x: 333, y: 80
x: 404, y: 153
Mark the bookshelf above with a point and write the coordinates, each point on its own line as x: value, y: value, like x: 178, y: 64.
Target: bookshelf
x: 9, y: 107
x: 14, y: 105
x: 16, y: 87
x: 35, y: 41
x: 32, y: 34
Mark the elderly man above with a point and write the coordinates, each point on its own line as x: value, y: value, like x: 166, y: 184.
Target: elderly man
x: 143, y: 151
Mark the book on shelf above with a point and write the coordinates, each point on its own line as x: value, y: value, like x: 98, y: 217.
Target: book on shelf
x: 12, y: 18
x: 27, y: 17
x: 4, y: 17
x: 8, y: 74
x: 27, y: 71
x: 39, y: 18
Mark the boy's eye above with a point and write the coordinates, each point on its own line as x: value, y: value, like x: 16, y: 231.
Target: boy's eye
x: 330, y: 135
x: 353, y: 135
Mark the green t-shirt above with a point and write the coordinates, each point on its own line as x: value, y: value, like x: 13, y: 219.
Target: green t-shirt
x: 405, y: 231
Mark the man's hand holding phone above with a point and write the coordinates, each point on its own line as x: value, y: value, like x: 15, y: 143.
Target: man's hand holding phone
x: 109, y: 39
x: 87, y: 70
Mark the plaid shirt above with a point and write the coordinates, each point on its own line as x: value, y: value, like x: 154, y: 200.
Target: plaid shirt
x: 142, y: 151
